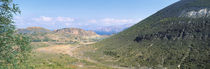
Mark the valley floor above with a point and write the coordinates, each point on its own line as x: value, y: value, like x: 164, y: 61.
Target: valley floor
x: 65, y: 56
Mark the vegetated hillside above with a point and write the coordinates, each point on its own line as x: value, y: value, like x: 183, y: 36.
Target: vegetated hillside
x: 31, y: 30
x: 177, y: 36
x: 65, y: 35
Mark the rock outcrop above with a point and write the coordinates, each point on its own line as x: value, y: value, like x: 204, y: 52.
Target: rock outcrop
x: 192, y: 13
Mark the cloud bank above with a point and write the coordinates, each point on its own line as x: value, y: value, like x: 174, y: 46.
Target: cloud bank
x: 53, y: 19
x: 63, y: 22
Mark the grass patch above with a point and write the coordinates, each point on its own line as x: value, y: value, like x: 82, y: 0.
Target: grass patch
x: 41, y: 60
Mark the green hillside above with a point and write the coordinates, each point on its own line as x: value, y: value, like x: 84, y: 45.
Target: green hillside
x: 177, y: 36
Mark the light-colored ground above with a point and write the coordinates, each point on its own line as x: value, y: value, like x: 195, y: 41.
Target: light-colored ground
x: 58, y: 49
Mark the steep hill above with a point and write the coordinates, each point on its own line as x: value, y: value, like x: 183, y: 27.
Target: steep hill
x: 76, y: 31
x: 177, y: 36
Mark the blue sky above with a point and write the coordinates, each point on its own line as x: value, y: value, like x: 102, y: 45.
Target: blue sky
x: 86, y: 14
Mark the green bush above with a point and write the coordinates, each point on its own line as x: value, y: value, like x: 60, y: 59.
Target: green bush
x: 14, y: 48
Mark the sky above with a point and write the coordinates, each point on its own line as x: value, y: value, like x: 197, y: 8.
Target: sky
x: 85, y: 14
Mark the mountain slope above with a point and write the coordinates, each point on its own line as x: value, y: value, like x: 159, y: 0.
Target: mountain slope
x: 175, y: 37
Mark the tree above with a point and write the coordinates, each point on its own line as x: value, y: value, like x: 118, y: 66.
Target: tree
x: 14, y: 48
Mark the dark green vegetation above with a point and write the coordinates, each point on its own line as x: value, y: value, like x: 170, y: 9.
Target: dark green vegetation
x: 167, y: 39
x: 14, y: 48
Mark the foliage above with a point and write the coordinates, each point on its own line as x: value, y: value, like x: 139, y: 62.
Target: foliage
x: 14, y: 48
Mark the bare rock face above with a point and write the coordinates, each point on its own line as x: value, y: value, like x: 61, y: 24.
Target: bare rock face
x: 198, y: 13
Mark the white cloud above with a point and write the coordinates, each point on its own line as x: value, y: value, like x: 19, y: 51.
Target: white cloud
x: 92, y: 21
x: 46, y: 18
x: 68, y: 24
x: 64, y: 19
x: 53, y: 19
x: 112, y: 20
x: 43, y: 18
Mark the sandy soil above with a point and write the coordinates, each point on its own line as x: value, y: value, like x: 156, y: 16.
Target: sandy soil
x: 59, y: 49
